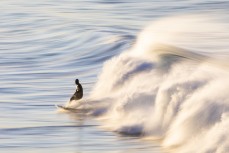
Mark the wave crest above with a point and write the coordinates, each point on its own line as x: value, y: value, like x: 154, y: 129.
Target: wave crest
x: 168, y: 93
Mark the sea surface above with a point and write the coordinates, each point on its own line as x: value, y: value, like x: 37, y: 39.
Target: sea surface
x: 154, y: 73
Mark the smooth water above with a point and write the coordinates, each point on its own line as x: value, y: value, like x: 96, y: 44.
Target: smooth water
x: 46, y: 45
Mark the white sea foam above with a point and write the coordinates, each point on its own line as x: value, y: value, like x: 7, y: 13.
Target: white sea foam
x: 166, y: 92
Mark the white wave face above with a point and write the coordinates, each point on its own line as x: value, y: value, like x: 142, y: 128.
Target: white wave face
x: 167, y: 93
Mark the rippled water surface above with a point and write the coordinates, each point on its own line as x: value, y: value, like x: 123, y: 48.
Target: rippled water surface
x: 46, y: 44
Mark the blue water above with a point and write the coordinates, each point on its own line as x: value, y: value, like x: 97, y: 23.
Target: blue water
x: 46, y: 45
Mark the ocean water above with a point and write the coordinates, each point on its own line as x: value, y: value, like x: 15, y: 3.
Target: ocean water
x: 155, y: 76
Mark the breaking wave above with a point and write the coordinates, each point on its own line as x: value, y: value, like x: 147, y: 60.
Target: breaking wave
x: 177, y: 95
